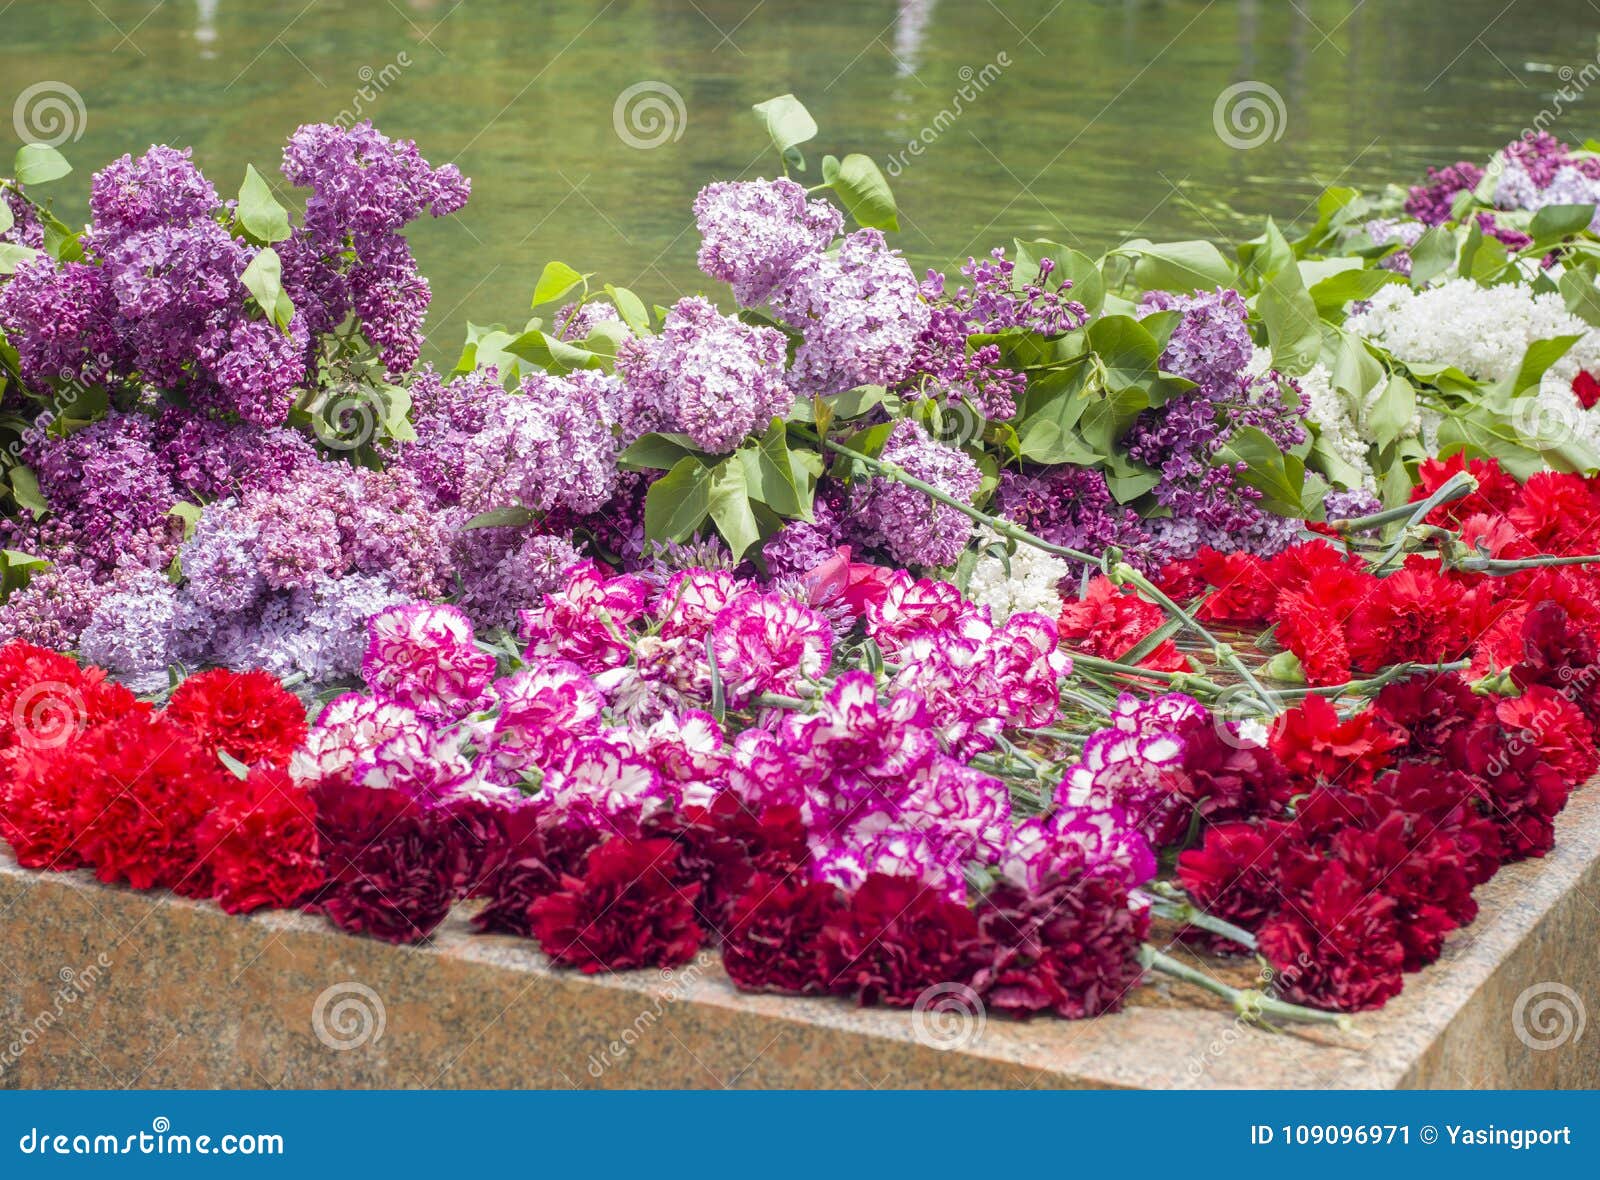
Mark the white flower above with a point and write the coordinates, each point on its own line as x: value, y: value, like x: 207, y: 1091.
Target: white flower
x: 1029, y: 584
x: 1342, y: 422
x: 1483, y: 331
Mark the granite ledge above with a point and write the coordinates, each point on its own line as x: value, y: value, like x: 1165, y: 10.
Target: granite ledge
x: 191, y: 997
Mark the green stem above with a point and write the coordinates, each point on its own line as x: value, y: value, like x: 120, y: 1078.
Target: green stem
x: 1387, y: 676
x: 1251, y: 1004
x: 1457, y: 486
x: 1499, y: 566
x: 1170, y: 902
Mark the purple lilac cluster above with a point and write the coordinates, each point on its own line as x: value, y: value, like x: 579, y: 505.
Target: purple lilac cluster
x: 860, y: 312
x: 26, y: 229
x: 1539, y: 170
x: 707, y: 376
x: 1073, y: 506
x: 994, y: 302
x: 1209, y: 504
x: 753, y: 233
x: 911, y: 526
x: 349, y: 256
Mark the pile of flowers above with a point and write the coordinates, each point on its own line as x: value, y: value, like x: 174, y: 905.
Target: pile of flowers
x: 1026, y: 636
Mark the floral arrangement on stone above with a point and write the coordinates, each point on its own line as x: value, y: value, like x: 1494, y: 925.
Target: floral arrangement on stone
x: 882, y: 636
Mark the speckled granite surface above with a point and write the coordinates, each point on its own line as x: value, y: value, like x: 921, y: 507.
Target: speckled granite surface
x: 104, y: 987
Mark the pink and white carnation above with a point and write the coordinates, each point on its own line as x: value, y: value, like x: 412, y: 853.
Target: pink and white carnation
x: 349, y: 727
x: 585, y: 620
x: 769, y: 643
x: 425, y: 656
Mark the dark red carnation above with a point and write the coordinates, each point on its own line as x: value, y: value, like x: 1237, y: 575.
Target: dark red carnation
x: 1586, y: 389
x: 1429, y: 714
x: 1560, y: 654
x: 260, y: 842
x: 625, y: 910
x: 1226, y: 778
x: 1072, y: 948
x: 478, y: 829
x: 1337, y: 945
x: 1520, y: 792
x: 772, y: 933
x: 389, y: 865
x: 895, y: 939
x: 248, y: 715
x: 148, y: 786
x: 544, y: 845
x: 724, y: 846
x: 1233, y: 874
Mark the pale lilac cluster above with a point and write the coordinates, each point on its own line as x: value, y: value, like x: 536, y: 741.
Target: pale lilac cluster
x: 1539, y: 170
x: 859, y: 311
x: 1182, y: 439
x: 946, y: 366
x: 753, y: 233
x: 707, y: 376
x: 552, y: 444
x: 909, y: 524
x: 349, y: 256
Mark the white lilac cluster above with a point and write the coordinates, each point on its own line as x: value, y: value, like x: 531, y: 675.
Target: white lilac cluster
x: 1343, y: 421
x: 708, y: 375
x: 1010, y: 583
x: 1558, y: 412
x: 1483, y: 331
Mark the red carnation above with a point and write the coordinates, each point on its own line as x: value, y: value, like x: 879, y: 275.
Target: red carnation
x: 260, y: 842
x: 149, y: 785
x: 772, y: 934
x: 1244, y: 590
x: 625, y: 910
x: 543, y: 847
x: 1557, y: 513
x: 894, y: 940
x: 38, y: 787
x: 1108, y: 623
x: 1318, y: 746
x: 249, y: 715
x: 1072, y: 948
x: 1337, y: 946
x: 1554, y: 725
x: 1414, y: 614
x: 389, y: 865
x: 1586, y: 389
x: 47, y: 700
x: 1521, y: 792
x: 1309, y: 629
x: 1559, y: 653
x: 1496, y: 493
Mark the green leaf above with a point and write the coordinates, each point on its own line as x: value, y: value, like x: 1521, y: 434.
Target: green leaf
x: 13, y: 256
x: 660, y: 452
x: 25, y: 490
x: 1582, y: 297
x: 189, y: 514
x: 678, y: 503
x: 1554, y: 222
x: 1179, y: 266
x: 730, y: 506
x: 631, y: 308
x: 1393, y: 412
x: 263, y: 278
x: 1279, y: 477
x: 6, y: 218
x: 1127, y: 349
x: 511, y: 517
x: 555, y: 280
x: 263, y: 218
x: 1540, y: 356
x: 1332, y: 293
x: 238, y: 769
x: 551, y: 354
x: 1294, y: 329
x: 16, y: 567
x: 770, y: 475
x: 1128, y: 486
x: 1432, y: 255
x: 39, y: 163
x: 787, y: 121
x: 863, y: 189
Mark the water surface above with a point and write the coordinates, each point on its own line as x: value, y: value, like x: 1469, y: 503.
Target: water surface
x: 1088, y: 121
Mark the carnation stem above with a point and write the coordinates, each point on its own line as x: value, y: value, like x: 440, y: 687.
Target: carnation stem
x: 1119, y: 572
x: 1169, y: 902
x: 1477, y: 563
x: 1459, y: 485
x: 1387, y: 676
x: 1252, y: 1004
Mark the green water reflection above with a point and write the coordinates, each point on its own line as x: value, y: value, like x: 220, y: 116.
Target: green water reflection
x: 1099, y: 126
